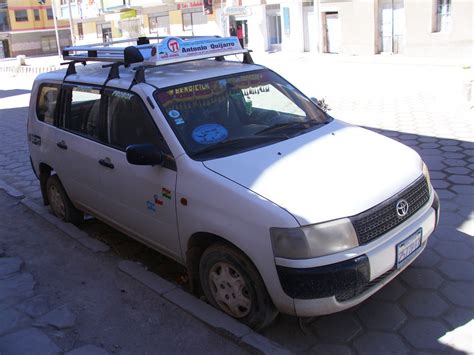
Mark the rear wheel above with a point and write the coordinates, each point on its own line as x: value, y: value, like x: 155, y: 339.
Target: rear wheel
x: 60, y: 203
x: 232, y: 284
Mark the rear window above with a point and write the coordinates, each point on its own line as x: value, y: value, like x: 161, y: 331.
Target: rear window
x: 82, y: 111
x: 47, y: 103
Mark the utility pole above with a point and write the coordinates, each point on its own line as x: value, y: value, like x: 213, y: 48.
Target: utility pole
x: 393, y: 27
x: 53, y: 7
x: 318, y: 29
x: 73, y: 36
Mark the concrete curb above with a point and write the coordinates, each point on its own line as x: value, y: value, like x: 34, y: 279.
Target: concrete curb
x: 11, y: 190
x: 72, y: 231
x: 215, y: 319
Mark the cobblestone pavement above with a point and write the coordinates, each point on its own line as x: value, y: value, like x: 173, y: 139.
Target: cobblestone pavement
x: 58, y: 297
x: 429, y: 308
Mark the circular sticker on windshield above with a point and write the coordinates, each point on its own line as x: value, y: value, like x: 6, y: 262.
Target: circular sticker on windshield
x: 209, y: 133
x: 174, y: 114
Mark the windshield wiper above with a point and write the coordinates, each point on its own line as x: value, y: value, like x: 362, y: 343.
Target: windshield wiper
x: 305, y: 126
x: 240, y: 142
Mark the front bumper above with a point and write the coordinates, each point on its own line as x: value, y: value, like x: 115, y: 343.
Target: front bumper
x: 358, y: 273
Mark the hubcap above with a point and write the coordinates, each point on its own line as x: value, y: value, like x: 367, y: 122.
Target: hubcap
x: 229, y: 290
x: 56, y: 202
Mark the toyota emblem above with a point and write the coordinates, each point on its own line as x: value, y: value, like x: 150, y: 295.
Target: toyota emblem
x: 402, y: 208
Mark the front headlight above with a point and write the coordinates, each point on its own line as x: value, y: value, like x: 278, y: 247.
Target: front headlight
x: 314, y: 240
x: 426, y: 173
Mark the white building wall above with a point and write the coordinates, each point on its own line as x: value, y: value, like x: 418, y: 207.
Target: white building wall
x: 421, y: 40
x: 257, y: 29
x: 293, y: 41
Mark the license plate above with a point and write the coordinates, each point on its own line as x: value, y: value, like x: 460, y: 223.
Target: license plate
x: 408, y: 247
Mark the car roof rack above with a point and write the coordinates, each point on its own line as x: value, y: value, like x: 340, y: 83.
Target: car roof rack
x: 167, y: 51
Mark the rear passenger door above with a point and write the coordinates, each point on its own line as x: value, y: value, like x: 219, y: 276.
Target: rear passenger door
x: 77, y: 144
x: 140, y: 199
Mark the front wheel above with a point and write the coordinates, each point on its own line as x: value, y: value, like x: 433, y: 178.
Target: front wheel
x: 232, y: 284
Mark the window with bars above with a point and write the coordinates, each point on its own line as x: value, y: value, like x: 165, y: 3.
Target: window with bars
x: 49, y: 13
x: 21, y: 15
x: 80, y: 30
x: 442, y: 16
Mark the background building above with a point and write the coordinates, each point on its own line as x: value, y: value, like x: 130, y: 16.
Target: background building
x: 351, y: 27
x: 362, y: 27
x: 122, y: 19
x: 412, y: 27
x: 27, y: 27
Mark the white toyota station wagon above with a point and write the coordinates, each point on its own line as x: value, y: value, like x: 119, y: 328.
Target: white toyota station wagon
x: 224, y: 166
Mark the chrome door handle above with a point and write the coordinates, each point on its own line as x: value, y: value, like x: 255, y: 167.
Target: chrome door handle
x: 107, y: 163
x: 62, y: 145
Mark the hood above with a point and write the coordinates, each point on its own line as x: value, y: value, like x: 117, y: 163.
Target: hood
x: 335, y: 171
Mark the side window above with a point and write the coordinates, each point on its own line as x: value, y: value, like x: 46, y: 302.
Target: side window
x: 82, y: 111
x: 128, y: 122
x: 46, y: 104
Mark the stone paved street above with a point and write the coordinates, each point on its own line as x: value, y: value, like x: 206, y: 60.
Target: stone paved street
x: 429, y: 308
x: 58, y: 297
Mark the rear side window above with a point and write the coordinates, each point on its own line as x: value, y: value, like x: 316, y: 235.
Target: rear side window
x: 47, y: 103
x: 128, y: 122
x: 82, y: 111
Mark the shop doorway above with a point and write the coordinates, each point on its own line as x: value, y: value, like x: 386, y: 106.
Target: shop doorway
x: 309, y: 30
x: 391, y: 32
x: 49, y: 44
x: 274, y: 32
x: 332, y: 32
x: 4, y: 49
x: 244, y: 33
x: 106, y: 35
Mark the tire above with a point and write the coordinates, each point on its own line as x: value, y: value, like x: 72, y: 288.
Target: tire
x: 232, y: 284
x: 60, y: 203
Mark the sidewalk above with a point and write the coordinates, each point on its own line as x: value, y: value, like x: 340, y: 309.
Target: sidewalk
x: 56, y: 296
x: 50, y: 60
x: 463, y: 67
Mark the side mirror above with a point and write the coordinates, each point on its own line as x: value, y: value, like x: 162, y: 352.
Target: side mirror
x: 322, y: 104
x: 144, y: 154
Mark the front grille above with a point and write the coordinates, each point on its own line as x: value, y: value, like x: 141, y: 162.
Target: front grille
x: 377, y: 221
x: 348, y: 294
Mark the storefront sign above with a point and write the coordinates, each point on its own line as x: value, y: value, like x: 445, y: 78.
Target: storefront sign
x: 237, y: 11
x: 189, y: 5
x: 128, y: 14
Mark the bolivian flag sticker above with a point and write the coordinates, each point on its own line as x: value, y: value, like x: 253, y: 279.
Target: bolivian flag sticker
x: 166, y: 193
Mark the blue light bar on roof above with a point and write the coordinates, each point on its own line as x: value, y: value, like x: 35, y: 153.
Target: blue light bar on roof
x: 174, y: 49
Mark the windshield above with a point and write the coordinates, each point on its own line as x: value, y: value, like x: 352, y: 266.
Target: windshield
x: 228, y: 115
